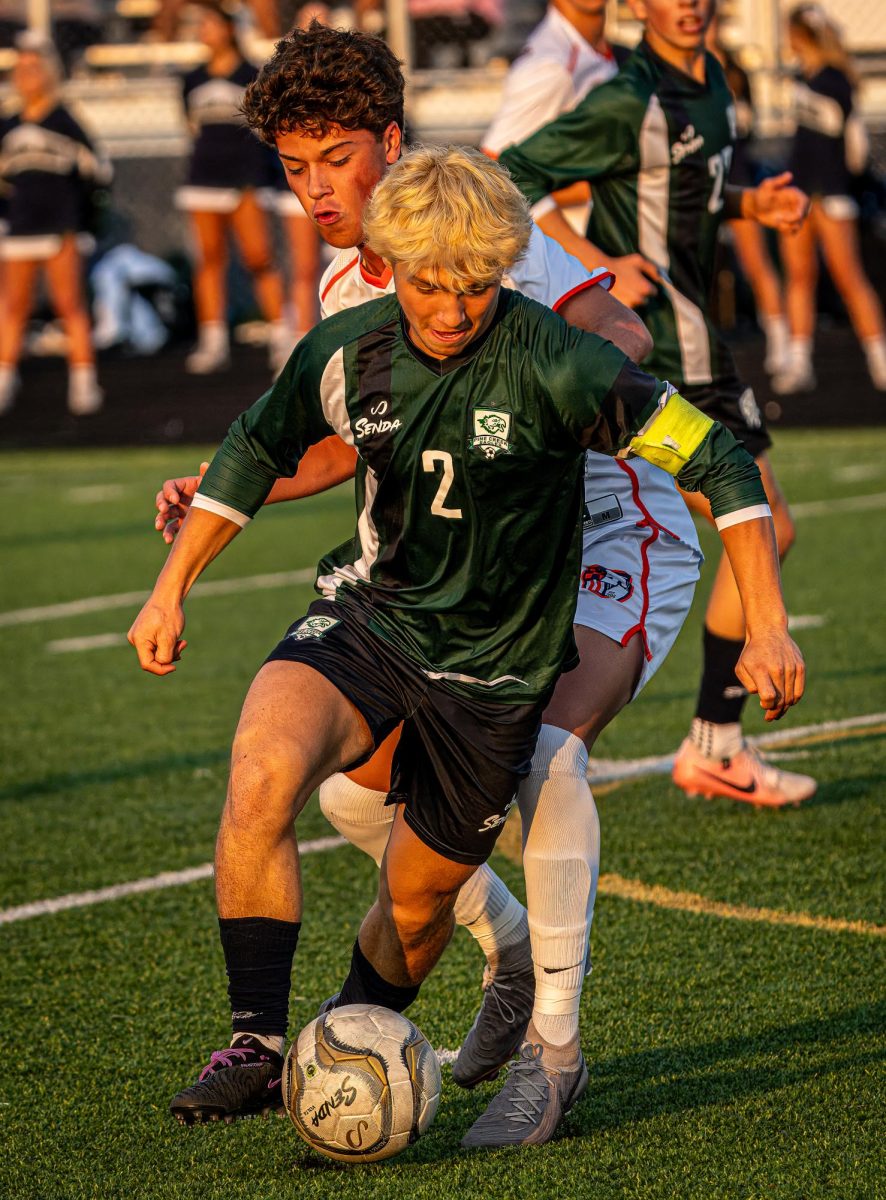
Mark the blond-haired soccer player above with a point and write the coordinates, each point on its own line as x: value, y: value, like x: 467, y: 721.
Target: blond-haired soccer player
x: 470, y: 407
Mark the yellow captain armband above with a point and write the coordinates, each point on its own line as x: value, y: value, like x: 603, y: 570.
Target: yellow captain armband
x: 672, y: 436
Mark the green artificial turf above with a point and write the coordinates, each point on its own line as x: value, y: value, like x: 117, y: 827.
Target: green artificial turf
x: 728, y: 1058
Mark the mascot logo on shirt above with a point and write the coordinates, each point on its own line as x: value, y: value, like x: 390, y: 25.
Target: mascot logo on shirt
x: 607, y: 582
x: 313, y: 627
x: 491, y: 429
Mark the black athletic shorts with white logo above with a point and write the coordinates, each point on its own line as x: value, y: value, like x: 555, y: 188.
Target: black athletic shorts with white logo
x: 733, y: 404
x: 460, y: 759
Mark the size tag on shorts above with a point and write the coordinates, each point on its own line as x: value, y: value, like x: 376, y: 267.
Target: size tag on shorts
x: 601, y: 510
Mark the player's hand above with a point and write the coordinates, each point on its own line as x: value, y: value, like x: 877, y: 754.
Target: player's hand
x: 776, y: 204
x: 772, y: 666
x: 156, y: 635
x: 173, y: 501
x: 635, y: 279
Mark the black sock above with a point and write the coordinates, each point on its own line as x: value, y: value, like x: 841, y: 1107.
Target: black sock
x: 364, y: 985
x: 258, y: 957
x: 721, y: 697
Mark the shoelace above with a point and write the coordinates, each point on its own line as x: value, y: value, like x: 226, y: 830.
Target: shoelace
x: 527, y: 1087
x: 225, y: 1058
x: 494, y: 989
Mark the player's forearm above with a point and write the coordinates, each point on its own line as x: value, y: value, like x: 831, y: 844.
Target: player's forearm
x: 202, y: 538
x: 324, y: 466
x: 753, y: 556
x: 597, y: 311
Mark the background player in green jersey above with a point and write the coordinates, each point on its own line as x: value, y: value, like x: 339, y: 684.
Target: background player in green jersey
x: 656, y: 144
x: 456, y: 617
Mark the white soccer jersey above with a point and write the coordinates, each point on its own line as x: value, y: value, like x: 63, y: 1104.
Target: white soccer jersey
x: 556, y: 70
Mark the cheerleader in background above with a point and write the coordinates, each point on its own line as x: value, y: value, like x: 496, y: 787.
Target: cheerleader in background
x: 228, y: 168
x: 749, y: 237
x: 829, y: 147
x: 51, y: 173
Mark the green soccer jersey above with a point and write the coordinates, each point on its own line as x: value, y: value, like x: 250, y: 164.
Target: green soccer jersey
x: 656, y: 147
x: 468, y: 478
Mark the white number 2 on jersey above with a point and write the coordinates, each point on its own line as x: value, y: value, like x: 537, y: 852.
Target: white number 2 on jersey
x: 718, y: 169
x: 429, y: 461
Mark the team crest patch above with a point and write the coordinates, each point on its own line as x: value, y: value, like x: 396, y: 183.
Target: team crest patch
x: 607, y: 582
x: 491, y: 429
x: 749, y: 409
x: 313, y: 627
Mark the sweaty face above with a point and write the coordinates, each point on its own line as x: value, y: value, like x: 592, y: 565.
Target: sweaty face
x: 443, y: 318
x: 334, y: 175
x: 674, y: 24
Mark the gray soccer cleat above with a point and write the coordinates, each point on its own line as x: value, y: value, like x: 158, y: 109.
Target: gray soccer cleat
x: 535, y: 1098
x: 500, y: 1025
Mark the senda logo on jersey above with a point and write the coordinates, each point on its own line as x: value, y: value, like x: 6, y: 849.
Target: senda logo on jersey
x: 491, y: 429
x: 689, y: 142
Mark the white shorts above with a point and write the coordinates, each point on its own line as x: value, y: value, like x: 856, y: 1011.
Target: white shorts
x: 40, y: 247
x: 638, y: 574
x: 285, y: 204
x: 839, y: 208
x: 208, y: 199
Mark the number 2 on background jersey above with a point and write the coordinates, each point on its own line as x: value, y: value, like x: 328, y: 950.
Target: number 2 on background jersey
x: 718, y: 169
x: 429, y: 461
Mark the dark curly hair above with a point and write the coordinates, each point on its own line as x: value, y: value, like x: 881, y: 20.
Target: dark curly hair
x: 319, y: 77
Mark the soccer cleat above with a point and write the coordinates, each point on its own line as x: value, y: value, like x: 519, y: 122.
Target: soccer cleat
x: 241, y: 1081
x: 745, y: 776
x: 535, y: 1098
x: 500, y: 1025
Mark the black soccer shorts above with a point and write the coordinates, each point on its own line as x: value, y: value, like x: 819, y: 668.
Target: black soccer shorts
x: 460, y: 758
x: 733, y: 404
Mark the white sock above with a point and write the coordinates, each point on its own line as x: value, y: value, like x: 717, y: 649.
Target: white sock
x: 561, y: 862
x: 268, y: 1040
x: 875, y: 353
x: 212, y: 337
x: 716, y: 741
x: 491, y: 915
x: 358, y: 813
x: 800, y: 354
x: 778, y: 336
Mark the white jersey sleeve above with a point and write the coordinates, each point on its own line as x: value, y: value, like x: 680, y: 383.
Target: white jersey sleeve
x: 347, y: 283
x: 548, y: 274
x: 535, y: 92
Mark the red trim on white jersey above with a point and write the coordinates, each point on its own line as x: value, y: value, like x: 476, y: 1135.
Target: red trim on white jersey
x: 334, y: 280
x: 653, y: 526
x: 379, y: 281
x: 605, y: 280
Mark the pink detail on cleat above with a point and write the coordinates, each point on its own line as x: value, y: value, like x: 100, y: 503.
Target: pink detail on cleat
x: 746, y: 777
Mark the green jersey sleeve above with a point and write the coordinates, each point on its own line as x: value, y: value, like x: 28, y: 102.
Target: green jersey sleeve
x: 267, y: 441
x: 723, y: 471
x: 598, y: 138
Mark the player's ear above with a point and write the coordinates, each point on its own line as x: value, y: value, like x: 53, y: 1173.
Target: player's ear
x: 392, y: 140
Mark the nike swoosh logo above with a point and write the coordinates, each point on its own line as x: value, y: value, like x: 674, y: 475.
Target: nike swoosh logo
x: 748, y: 790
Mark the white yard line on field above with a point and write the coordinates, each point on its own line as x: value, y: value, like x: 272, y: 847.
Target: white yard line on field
x: 607, y: 770
x: 843, y: 504
x: 154, y: 883
x: 99, y: 641
x: 807, y: 621
x: 96, y: 493
x: 92, y: 604
x: 630, y: 889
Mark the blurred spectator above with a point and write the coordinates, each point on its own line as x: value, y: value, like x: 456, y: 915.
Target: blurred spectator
x: 228, y: 168
x: 52, y: 173
x: 829, y: 148
x: 124, y: 317
x: 265, y: 13
x: 13, y: 21
x: 749, y: 237
x: 450, y: 33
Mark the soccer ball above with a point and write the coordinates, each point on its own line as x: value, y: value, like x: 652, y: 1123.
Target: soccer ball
x: 361, y: 1083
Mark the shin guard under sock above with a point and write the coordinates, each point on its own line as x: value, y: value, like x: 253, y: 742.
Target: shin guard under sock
x: 258, y: 956
x: 364, y: 985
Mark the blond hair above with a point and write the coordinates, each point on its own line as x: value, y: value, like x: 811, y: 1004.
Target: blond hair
x: 449, y: 209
